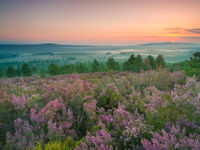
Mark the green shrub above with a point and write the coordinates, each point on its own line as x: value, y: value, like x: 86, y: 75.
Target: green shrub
x: 108, y: 98
x: 68, y: 144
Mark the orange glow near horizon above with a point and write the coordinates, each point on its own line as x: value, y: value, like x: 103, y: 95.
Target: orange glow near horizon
x: 100, y: 22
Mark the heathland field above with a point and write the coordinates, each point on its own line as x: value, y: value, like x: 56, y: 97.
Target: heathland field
x: 151, y: 110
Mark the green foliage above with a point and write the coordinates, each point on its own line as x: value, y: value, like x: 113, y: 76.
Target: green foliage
x: 71, y: 68
x: 81, y: 68
x: 8, y: 114
x: 108, y: 98
x: 130, y: 63
x: 95, y: 66
x: 26, y: 70
x: 139, y: 64
x: 102, y: 67
x: 1, y: 72
x: 177, y: 66
x: 112, y: 64
x: 197, y: 54
x: 170, y: 113
x: 150, y: 62
x: 42, y: 74
x: 11, y: 72
x: 134, y: 64
x: 63, y: 69
x: 80, y: 125
x: 193, y: 67
x: 68, y: 144
x: 18, y: 70
x: 53, y: 69
x: 160, y: 62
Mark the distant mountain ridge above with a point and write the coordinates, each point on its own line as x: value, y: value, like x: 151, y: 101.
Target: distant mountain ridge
x: 45, y: 44
x: 167, y: 43
x: 74, y: 45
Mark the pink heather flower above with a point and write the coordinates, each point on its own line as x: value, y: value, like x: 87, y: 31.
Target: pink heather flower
x: 49, y: 112
x: 17, y: 122
x: 37, y: 117
x: 24, y: 137
x: 70, y: 116
x: 18, y: 102
x: 101, y: 140
x: 107, y: 118
x: 90, y: 108
x: 175, y: 138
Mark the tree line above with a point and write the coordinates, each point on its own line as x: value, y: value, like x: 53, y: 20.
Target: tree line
x: 133, y: 64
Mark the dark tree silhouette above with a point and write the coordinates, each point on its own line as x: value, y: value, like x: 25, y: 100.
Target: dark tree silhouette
x: 11, y: 72
x: 26, y: 70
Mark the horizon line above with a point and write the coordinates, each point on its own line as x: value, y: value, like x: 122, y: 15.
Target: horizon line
x: 85, y: 44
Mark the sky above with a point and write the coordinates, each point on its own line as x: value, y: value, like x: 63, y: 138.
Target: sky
x: 109, y: 22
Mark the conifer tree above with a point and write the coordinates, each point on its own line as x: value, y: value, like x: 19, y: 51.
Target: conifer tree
x: 81, y: 68
x: 53, y: 69
x: 1, y: 72
x: 150, y: 62
x: 160, y: 62
x: 11, y: 72
x: 26, y: 70
x: 71, y: 68
x: 95, y: 66
x: 18, y: 70
x: 112, y: 64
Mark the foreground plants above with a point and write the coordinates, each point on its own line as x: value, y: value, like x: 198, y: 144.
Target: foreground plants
x: 152, y: 110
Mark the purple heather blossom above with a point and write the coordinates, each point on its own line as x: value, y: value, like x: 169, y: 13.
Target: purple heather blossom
x: 101, y: 140
x: 24, y: 136
x: 18, y: 102
x: 175, y: 138
x: 90, y: 108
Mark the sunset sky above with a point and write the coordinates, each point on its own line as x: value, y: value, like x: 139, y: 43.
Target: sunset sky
x: 99, y: 21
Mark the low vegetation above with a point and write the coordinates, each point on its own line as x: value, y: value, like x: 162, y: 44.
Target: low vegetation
x: 147, y: 107
x: 133, y: 64
x: 148, y: 110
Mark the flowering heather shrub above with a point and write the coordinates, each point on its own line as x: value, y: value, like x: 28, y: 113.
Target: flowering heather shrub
x: 55, y: 116
x: 128, y: 128
x: 175, y: 138
x: 100, y: 140
x: 153, y: 99
x: 49, y: 112
x: 90, y: 108
x: 72, y: 89
x: 18, y: 102
x: 23, y: 137
x: 193, y: 85
x: 150, y: 110
x: 8, y: 114
x: 59, y: 130
x: 162, y: 79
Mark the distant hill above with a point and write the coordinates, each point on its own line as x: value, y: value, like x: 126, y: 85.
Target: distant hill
x: 71, y: 45
x: 166, y: 43
x: 62, y: 53
x: 44, y: 45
